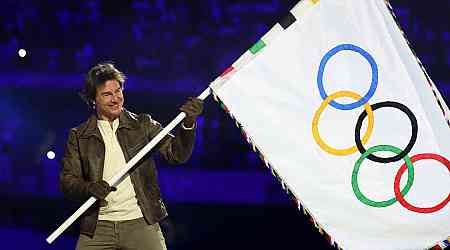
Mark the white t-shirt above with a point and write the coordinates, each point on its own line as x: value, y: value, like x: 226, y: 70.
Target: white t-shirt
x: 122, y: 203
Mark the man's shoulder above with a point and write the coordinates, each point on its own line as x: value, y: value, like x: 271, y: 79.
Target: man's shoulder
x: 80, y: 128
x: 136, y: 117
x: 135, y: 120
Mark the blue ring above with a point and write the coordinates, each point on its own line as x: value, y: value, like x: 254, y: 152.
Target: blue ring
x: 373, y: 85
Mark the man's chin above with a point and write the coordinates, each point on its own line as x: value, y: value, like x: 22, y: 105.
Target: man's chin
x: 115, y: 113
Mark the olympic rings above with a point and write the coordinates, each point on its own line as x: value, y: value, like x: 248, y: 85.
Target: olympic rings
x: 408, y: 148
x: 315, y: 129
x: 368, y: 111
x: 363, y: 198
x: 373, y: 85
x: 400, y: 172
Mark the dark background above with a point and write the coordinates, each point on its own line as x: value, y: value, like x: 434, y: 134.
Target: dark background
x: 223, y: 198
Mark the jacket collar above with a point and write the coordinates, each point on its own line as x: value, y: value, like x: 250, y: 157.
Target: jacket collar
x: 89, y: 128
x: 127, y: 120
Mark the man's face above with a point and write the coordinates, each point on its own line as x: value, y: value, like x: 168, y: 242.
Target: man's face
x: 109, y: 100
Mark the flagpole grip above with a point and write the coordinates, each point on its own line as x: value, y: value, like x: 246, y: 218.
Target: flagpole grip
x: 116, y: 179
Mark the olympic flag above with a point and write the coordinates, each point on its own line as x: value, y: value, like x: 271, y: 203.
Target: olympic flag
x: 341, y: 109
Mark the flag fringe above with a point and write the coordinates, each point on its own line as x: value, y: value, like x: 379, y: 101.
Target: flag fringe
x: 445, y: 243
x: 437, y: 96
x: 298, y: 204
x: 248, y: 56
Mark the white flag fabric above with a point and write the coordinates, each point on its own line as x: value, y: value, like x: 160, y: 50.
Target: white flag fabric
x: 342, y: 110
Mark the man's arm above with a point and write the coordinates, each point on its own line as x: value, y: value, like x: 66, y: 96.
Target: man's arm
x: 71, y: 179
x: 178, y: 149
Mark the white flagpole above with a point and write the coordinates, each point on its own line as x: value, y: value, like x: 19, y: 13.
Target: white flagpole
x: 115, y: 179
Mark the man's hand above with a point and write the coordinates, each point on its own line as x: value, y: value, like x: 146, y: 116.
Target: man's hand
x: 193, y: 108
x: 100, y: 190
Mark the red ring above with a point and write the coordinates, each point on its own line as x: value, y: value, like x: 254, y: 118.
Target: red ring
x: 400, y: 172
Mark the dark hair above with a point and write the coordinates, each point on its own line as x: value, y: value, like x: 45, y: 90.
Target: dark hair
x: 97, y: 76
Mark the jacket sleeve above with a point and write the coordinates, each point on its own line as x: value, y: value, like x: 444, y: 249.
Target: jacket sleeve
x: 174, y: 149
x: 71, y: 178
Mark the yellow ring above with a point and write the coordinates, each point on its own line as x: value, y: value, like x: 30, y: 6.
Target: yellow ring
x: 315, y: 122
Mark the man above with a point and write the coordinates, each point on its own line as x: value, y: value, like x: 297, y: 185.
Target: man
x: 96, y: 150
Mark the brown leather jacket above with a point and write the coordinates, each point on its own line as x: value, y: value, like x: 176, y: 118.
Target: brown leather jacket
x: 85, y: 154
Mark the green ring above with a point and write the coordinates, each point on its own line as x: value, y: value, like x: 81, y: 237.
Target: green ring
x: 358, y: 163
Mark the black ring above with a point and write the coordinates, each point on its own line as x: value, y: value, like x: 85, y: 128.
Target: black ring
x: 408, y: 148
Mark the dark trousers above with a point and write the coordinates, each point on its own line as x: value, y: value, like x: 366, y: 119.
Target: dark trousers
x: 124, y: 235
